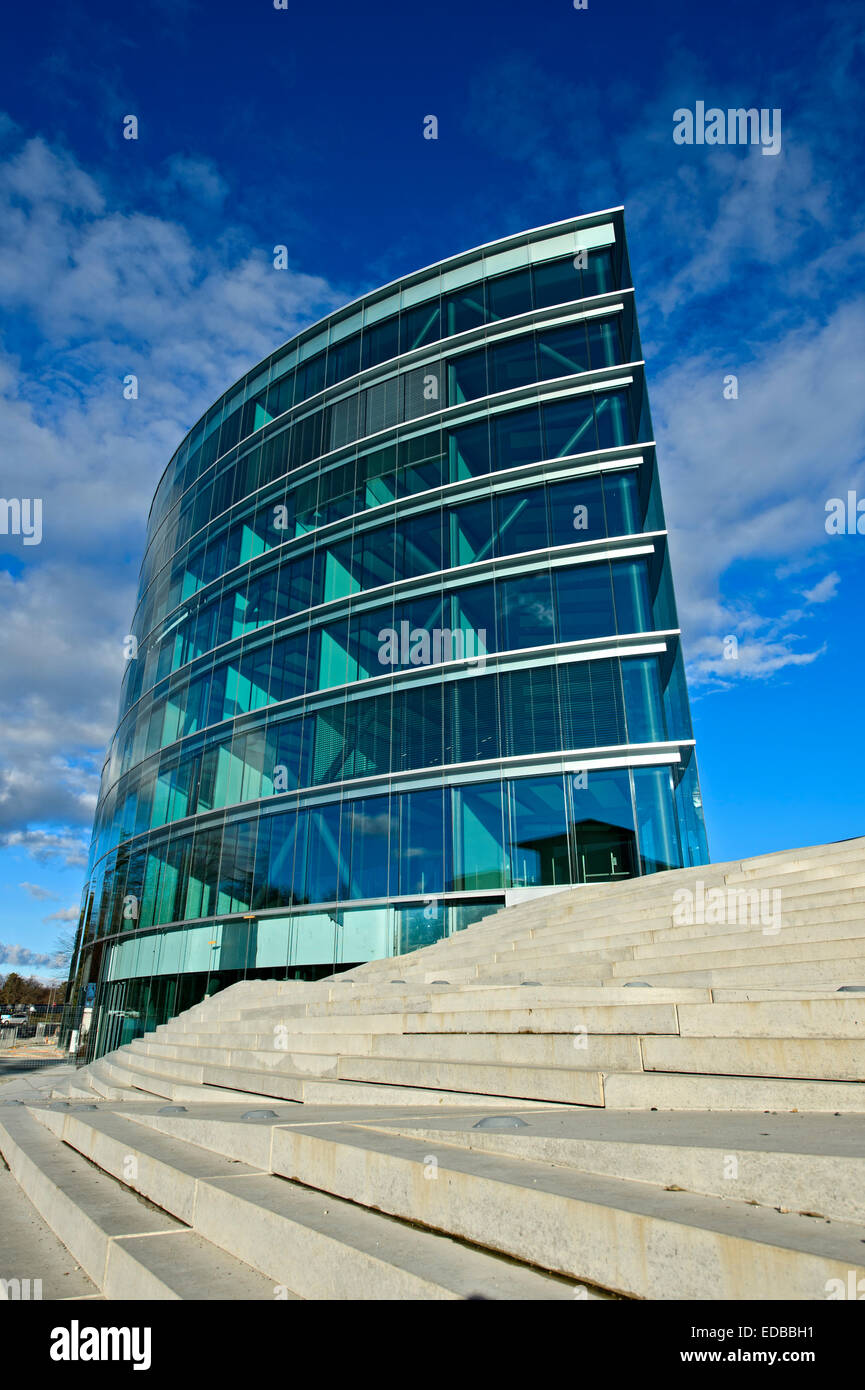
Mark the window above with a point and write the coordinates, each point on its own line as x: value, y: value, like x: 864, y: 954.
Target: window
x: 284, y: 761
x: 622, y: 503
x: 521, y: 521
x: 419, y: 545
x: 340, y: 580
x: 525, y: 607
x: 326, y: 876
x: 531, y: 720
x: 562, y: 352
x: 512, y: 364
x: 556, y: 282
x: 478, y: 836
x: 577, y: 511
x: 603, y: 826
x: 656, y: 823
x: 645, y: 723
x: 585, y: 602
x: 422, y: 842
x: 343, y: 359
x: 417, y: 726
x: 374, y: 556
x: 380, y: 342
x: 364, y: 640
x: 570, y: 427
x: 508, y: 295
x: 605, y: 345
x: 631, y: 591
x: 474, y: 613
x: 598, y: 275
x: 378, y: 471
x: 371, y: 832
x: 288, y: 666
x: 421, y: 464
x: 420, y: 325
x: 538, y: 832
x: 465, y: 308
x: 336, y: 665
x: 614, y: 423
x: 469, y: 451
x: 516, y: 439
x: 473, y: 722
x: 467, y: 377
x: 286, y: 868
x: 471, y: 532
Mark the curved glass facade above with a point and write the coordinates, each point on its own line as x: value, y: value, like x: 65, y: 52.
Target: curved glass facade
x: 405, y: 645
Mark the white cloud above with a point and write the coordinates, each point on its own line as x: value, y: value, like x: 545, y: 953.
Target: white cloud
x: 745, y: 481
x: 825, y: 589
x: 108, y: 292
x: 66, y: 914
x: 21, y: 957
x: 45, y: 845
x: 36, y: 891
x: 197, y: 176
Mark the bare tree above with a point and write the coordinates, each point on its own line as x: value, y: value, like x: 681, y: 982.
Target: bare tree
x: 64, y: 948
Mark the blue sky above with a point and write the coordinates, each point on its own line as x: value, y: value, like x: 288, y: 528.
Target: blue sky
x: 304, y: 127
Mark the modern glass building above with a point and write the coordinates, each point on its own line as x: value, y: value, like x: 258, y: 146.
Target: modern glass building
x: 406, y: 644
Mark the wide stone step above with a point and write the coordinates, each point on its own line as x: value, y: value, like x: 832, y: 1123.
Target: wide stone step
x: 831, y: 1059
x: 739, y: 937
x: 842, y: 927
x: 773, y: 994
x: 631, y: 1236
x: 581, y: 960
x: 320, y: 1247
x: 774, y: 952
x: 742, y: 899
x: 268, y: 1021
x: 812, y: 854
x: 128, y: 1249
x: 427, y: 1083
x: 246, y: 1084
x: 841, y: 1017
x: 140, y: 1061
x: 701, y: 1091
x: 578, y: 1049
x: 359, y: 1093
x: 785, y: 870
x: 567, y: 1085
x: 649, y: 898
x: 734, y: 916
x: 361, y: 1016
x: 311, y: 1054
x: 106, y: 1081
x: 802, y: 1163
x: 549, y: 1049
x: 479, y: 994
x: 813, y: 971
x: 137, y: 1080
x: 595, y: 1018
x: 587, y: 971
x: 33, y: 1262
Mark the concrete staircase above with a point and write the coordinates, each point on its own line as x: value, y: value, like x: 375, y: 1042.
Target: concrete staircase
x: 613, y: 1091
